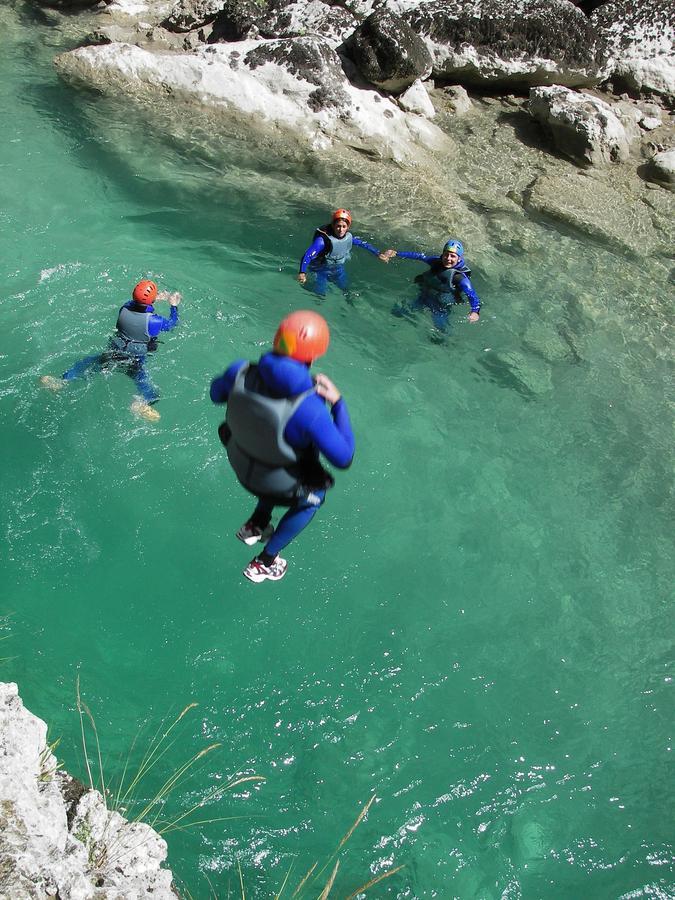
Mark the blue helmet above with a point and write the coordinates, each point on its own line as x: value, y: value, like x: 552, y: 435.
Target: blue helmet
x: 454, y: 245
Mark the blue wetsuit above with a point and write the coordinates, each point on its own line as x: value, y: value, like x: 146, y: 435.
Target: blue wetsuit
x: 439, y: 299
x: 132, y: 362
x: 315, y: 260
x: 312, y: 425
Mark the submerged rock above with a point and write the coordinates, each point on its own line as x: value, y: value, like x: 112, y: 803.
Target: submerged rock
x: 494, y: 43
x: 581, y: 126
x: 57, y: 839
x: 595, y: 209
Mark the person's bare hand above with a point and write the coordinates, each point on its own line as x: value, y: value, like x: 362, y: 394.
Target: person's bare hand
x: 302, y: 278
x: 175, y: 298
x: 473, y: 317
x: 386, y: 255
x: 326, y: 389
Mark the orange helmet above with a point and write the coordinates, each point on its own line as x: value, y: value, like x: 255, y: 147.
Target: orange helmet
x: 145, y: 292
x: 343, y: 214
x: 303, y: 335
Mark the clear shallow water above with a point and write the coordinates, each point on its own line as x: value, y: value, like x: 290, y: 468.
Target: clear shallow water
x: 477, y: 627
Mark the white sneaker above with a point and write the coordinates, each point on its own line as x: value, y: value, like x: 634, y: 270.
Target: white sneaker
x: 251, y: 534
x: 145, y: 410
x: 257, y: 571
x: 51, y: 383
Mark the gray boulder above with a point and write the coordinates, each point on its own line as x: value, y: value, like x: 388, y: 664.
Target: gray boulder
x: 305, y: 17
x: 235, y: 21
x: 190, y: 14
x: 72, y: 4
x: 580, y: 125
x: 457, y: 99
x: 309, y: 59
x: 494, y: 43
x: 240, y: 19
x: 661, y: 169
x: 388, y: 53
x: 638, y: 38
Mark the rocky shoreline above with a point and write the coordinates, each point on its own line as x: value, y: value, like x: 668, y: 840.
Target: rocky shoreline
x: 57, y: 838
x: 385, y: 88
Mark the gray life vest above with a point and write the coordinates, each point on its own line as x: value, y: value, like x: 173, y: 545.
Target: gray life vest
x: 440, y: 281
x: 338, y: 250
x: 253, y: 435
x: 132, y: 335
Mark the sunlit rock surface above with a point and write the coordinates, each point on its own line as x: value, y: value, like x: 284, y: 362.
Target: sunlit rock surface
x: 662, y: 169
x: 495, y: 43
x: 581, y: 126
x: 388, y: 53
x: 57, y: 839
x: 297, y: 84
x: 639, y: 39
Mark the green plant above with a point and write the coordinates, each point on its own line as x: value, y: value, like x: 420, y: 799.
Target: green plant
x: 124, y: 796
x: 311, y: 881
x: 48, y: 769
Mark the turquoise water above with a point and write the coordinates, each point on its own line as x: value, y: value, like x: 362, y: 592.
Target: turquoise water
x: 477, y: 626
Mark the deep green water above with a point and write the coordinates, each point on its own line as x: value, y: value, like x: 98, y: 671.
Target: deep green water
x: 478, y: 626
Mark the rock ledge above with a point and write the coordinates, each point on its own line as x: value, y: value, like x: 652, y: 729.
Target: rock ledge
x: 57, y: 839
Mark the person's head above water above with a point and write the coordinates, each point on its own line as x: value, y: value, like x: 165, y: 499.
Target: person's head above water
x: 453, y: 251
x: 341, y: 222
x: 343, y: 214
x: 303, y: 335
x: 145, y: 292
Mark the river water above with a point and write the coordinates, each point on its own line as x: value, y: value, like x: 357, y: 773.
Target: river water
x: 477, y: 627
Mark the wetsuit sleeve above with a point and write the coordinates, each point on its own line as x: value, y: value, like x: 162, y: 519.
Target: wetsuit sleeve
x: 156, y: 323
x: 464, y: 284
x: 222, y: 385
x: 318, y: 245
x: 410, y: 254
x: 330, y: 432
x: 366, y: 246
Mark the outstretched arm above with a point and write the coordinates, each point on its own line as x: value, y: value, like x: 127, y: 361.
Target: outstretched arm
x: 411, y: 254
x: 317, y: 246
x: 156, y: 323
x: 358, y: 242
x: 464, y: 284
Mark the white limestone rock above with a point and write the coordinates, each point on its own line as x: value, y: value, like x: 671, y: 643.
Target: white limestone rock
x: 649, y: 123
x: 189, y: 14
x: 457, y: 99
x: 296, y: 84
x: 98, y: 855
x: 302, y: 17
x: 502, y: 43
x: 661, y: 169
x: 581, y: 126
x: 639, y: 37
x: 417, y: 100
